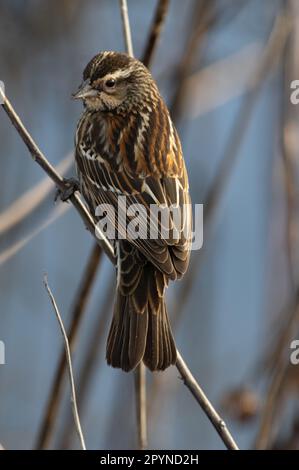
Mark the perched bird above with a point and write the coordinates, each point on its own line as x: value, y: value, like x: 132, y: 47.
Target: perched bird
x: 127, y: 145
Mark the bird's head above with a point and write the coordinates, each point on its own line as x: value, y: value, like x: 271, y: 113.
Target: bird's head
x: 116, y: 82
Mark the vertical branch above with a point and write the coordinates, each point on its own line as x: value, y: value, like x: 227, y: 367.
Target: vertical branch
x: 140, y: 372
x: 81, y: 300
x: 69, y: 363
x: 126, y: 26
x: 141, y: 406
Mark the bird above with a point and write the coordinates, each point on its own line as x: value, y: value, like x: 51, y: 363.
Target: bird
x: 126, y: 145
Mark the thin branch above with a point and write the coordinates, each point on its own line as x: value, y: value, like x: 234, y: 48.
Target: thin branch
x: 155, y: 31
x: 69, y: 363
x: 40, y: 158
x: 89, y: 362
x: 205, y: 16
x: 79, y: 307
x: 139, y: 373
x: 126, y: 26
x: 141, y: 411
x: 205, y: 404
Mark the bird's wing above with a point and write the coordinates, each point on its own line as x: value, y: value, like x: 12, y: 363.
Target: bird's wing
x: 140, y: 157
x: 168, y: 249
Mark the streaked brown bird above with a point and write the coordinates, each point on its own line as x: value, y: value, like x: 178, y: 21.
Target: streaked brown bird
x: 127, y: 145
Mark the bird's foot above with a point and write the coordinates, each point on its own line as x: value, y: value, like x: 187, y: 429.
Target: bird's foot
x: 71, y: 186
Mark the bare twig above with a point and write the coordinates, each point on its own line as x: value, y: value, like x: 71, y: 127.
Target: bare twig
x: 204, y: 403
x: 140, y: 375
x: 69, y: 363
x: 141, y: 411
x: 40, y: 158
x: 155, y: 31
x: 90, y: 360
x: 126, y: 26
x: 79, y: 307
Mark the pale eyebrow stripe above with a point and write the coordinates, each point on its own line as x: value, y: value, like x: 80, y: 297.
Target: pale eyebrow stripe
x: 118, y: 74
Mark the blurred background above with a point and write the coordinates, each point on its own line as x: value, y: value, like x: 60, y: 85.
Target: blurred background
x: 224, y: 68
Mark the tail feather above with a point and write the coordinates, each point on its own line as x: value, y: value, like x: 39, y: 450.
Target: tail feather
x: 160, y: 351
x: 127, y: 336
x: 140, y: 328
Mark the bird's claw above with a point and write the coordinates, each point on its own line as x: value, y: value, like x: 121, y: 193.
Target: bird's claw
x: 72, y: 185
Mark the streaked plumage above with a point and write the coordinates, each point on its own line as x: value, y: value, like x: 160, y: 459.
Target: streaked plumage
x: 127, y: 145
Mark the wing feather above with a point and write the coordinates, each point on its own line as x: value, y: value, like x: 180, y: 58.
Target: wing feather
x: 161, y: 187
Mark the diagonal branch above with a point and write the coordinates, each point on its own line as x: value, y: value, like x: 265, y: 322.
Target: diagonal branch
x: 155, y: 31
x: 205, y: 404
x: 41, y: 160
x: 69, y: 363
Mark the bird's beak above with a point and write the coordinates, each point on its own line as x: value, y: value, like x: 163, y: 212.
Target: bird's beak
x: 85, y: 90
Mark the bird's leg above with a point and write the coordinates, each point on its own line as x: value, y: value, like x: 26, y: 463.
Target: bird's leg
x: 72, y: 185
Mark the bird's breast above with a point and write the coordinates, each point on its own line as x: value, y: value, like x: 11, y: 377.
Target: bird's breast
x: 143, y: 143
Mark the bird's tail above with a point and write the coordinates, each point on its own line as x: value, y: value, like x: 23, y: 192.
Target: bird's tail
x: 140, y: 328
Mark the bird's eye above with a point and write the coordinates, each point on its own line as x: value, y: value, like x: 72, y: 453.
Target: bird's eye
x: 110, y: 83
